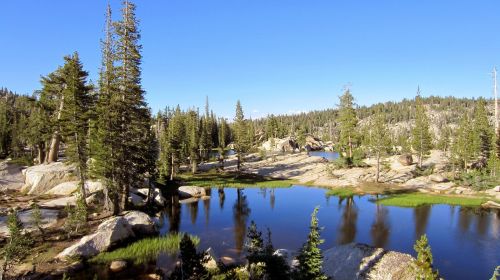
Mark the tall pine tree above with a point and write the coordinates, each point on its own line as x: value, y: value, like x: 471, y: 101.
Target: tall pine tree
x: 421, y: 136
x: 348, y: 121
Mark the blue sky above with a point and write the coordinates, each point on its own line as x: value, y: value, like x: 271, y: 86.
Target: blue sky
x: 276, y: 56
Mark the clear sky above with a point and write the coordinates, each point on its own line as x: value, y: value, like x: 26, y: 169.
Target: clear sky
x: 276, y: 56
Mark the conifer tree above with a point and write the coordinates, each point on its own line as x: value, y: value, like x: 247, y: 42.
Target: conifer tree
x: 75, y: 116
x: 423, y: 264
x: 241, y: 139
x: 348, y: 121
x: 463, y: 150
x: 17, y: 246
x: 191, y: 262
x: 176, y: 136
x: 379, y: 142
x: 421, y: 136
x: 310, y: 258
x: 130, y: 144
x: 483, y: 131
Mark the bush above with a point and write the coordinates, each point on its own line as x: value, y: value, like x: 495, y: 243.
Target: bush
x: 477, y: 180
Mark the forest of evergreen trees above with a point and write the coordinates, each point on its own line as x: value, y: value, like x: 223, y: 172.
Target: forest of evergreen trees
x: 108, y: 132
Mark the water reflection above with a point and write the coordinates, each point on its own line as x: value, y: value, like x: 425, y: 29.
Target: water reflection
x: 173, y: 211
x: 222, y: 198
x: 193, y: 211
x: 241, y: 212
x: 421, y: 217
x: 381, y: 226
x: 380, y: 230
x: 272, y: 199
x: 206, y: 205
x: 349, y: 219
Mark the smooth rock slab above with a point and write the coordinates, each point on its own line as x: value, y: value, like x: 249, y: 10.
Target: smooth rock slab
x: 60, y: 202
x: 109, y: 233
x: 43, y: 177
x: 117, y: 266
x: 191, y: 191
x: 68, y: 188
x: 359, y: 261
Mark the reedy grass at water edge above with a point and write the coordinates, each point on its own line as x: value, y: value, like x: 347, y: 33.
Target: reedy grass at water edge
x: 420, y: 199
x: 145, y: 250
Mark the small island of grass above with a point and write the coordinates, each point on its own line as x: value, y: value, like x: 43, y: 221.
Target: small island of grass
x: 420, y: 199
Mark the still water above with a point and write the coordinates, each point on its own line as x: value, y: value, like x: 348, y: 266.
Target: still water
x: 330, y: 156
x: 465, y: 242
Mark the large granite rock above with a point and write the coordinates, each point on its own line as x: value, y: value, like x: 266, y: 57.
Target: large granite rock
x: 43, y: 177
x: 359, y: 261
x: 438, y: 178
x: 140, y: 222
x: 405, y: 160
x: 191, y: 191
x: 109, y: 233
x: 156, y: 195
x: 313, y: 143
x: 68, y: 188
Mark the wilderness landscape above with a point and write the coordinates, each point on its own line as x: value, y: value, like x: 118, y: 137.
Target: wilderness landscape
x: 101, y: 178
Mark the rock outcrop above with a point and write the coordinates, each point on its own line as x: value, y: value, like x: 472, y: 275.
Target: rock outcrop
x: 313, y: 144
x: 41, y: 178
x: 110, y: 233
x: 191, y: 191
x: 359, y: 261
x: 68, y: 188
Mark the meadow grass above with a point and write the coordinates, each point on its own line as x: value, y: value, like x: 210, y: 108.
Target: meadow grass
x: 235, y: 180
x: 145, y: 250
x: 342, y: 192
x: 419, y: 199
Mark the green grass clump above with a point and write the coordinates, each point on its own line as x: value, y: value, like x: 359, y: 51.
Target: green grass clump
x: 419, y: 199
x: 145, y: 250
x: 342, y: 192
x: 236, y: 180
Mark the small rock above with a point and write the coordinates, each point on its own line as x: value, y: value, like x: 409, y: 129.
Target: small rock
x: 437, y: 178
x: 491, y: 204
x: 497, y: 188
x: 191, y: 191
x: 405, y: 160
x: 117, y: 266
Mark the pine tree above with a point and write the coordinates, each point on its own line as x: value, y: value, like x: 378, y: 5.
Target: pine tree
x: 74, y: 118
x: 191, y: 262
x: 421, y: 136
x: 129, y: 143
x: 348, y: 121
x: 241, y: 139
x: 422, y: 266
x: 483, y: 131
x: 310, y: 258
x: 379, y: 142
x: 463, y: 150
x: 17, y: 246
x: 176, y: 144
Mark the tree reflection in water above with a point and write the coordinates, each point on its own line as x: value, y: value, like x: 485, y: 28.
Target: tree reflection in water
x: 193, y: 211
x: 348, y: 229
x: 241, y: 213
x: 222, y: 198
x: 421, y: 217
x: 380, y: 230
x: 272, y: 199
x: 206, y: 205
x: 173, y: 211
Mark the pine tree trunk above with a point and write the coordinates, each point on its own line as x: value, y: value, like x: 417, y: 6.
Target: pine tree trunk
x: 350, y: 147
x: 172, y: 172
x: 194, y: 166
x: 56, y: 137
x: 238, y: 163
x: 378, y: 167
x: 41, y: 153
x: 54, y: 147
x: 123, y: 198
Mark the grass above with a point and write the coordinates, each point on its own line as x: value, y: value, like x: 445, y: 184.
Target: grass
x: 419, y: 199
x: 342, y: 192
x: 145, y: 250
x: 236, y: 180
